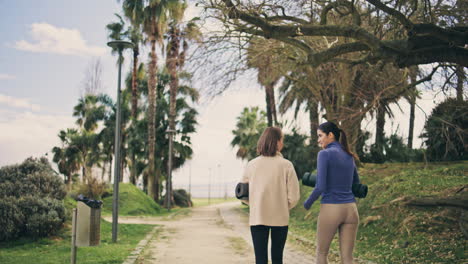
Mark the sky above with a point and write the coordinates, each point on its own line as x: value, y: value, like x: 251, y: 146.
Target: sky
x: 45, y: 50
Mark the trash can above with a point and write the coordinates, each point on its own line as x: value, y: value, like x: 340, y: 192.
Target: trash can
x: 88, y: 224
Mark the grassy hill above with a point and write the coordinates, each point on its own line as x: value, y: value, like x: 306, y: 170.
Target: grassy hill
x: 393, y: 231
x: 132, y: 201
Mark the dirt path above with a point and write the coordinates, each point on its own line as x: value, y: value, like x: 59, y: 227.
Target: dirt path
x: 209, y: 235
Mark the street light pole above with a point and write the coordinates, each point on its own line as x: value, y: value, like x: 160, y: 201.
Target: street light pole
x: 119, y: 45
x: 209, y: 187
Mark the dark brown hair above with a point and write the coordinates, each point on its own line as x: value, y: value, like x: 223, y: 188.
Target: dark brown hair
x: 267, y: 144
x: 340, y: 136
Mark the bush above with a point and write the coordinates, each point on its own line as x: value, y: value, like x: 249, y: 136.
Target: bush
x: 394, y: 150
x: 302, y: 156
x: 33, y: 176
x: 43, y: 216
x: 446, y: 131
x: 93, y: 189
x: 31, y: 197
x: 182, y: 198
x: 11, y: 218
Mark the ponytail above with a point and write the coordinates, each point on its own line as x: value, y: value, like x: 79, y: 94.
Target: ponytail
x: 344, y: 143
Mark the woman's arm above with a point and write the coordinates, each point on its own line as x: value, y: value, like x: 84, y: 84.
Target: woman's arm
x: 322, y: 164
x: 356, y: 179
x: 245, y: 179
x: 294, y: 193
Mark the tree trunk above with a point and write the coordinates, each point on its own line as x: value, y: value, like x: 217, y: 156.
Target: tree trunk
x: 103, y: 174
x: 110, y: 169
x: 379, y: 131
x: 121, y: 168
x: 153, y: 181
x: 460, y: 71
x: 134, y: 83
x: 69, y: 182
x: 83, y: 174
x: 412, y: 101
x: 133, y: 177
x: 172, y: 65
x: 314, y: 120
x: 271, y: 104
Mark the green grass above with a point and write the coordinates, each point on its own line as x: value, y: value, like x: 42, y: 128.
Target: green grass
x: 197, y: 202
x: 404, y: 234
x: 56, y: 249
x: 132, y: 202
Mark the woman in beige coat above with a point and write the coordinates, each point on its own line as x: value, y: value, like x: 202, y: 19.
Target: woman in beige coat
x: 273, y: 191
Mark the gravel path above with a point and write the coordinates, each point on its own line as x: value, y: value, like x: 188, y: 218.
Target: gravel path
x: 209, y: 235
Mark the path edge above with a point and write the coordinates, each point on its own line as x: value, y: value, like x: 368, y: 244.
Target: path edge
x: 135, y: 254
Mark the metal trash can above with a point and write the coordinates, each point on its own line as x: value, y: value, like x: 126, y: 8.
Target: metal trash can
x: 88, y: 225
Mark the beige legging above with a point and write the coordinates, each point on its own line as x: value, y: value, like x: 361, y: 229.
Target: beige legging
x: 341, y: 217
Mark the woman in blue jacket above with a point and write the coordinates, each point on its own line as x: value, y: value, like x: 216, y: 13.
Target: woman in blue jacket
x: 336, y: 172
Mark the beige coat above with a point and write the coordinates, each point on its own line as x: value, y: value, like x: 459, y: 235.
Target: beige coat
x: 273, y: 190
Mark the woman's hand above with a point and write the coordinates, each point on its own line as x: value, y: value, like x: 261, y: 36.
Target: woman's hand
x: 307, y: 204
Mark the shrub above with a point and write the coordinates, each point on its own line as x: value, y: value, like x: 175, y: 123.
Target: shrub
x: 43, y: 216
x: 31, y: 197
x: 33, y: 176
x: 302, y: 155
x: 93, y: 189
x: 11, y: 218
x: 446, y: 131
x: 182, y: 198
x: 393, y: 150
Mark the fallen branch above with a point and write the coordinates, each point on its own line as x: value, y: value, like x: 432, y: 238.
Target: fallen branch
x: 436, y: 201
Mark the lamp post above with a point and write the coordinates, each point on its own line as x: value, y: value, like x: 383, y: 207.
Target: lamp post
x: 118, y: 45
x: 209, y: 186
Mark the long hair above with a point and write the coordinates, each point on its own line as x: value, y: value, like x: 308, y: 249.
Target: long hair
x: 340, y: 136
x: 267, y: 144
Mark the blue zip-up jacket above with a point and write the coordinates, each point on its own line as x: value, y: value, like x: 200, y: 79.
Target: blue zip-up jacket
x: 336, y: 173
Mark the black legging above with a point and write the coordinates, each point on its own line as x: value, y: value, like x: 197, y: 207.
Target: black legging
x: 260, y: 235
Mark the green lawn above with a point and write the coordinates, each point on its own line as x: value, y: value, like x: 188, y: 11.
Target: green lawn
x: 56, y: 249
x: 132, y: 202
x: 403, y: 234
x: 197, y: 202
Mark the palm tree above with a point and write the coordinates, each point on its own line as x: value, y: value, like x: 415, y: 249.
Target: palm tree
x: 174, y: 62
x: 88, y: 112
x: 67, y: 156
x: 155, y: 17
x: 250, y: 125
x: 262, y: 55
x: 119, y: 31
x: 297, y: 94
x: 133, y: 10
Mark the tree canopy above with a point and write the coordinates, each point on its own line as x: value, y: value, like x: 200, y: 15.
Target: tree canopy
x: 407, y: 33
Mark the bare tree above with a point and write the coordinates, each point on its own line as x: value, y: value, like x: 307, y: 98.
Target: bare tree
x: 92, y: 81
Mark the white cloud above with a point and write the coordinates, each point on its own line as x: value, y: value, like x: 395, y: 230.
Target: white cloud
x: 18, y: 103
x: 29, y: 134
x: 50, y: 39
x: 4, y: 76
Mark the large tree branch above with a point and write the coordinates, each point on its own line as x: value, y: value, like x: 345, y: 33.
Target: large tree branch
x: 394, y: 13
x: 349, y: 5
x: 326, y: 55
x: 455, y: 36
x: 427, y: 43
x: 434, y: 54
x: 283, y: 31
